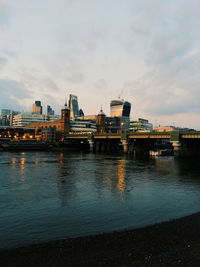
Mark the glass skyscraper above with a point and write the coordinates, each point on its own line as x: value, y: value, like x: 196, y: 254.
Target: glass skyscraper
x: 119, y: 116
x: 50, y: 111
x: 73, y: 105
x: 120, y: 108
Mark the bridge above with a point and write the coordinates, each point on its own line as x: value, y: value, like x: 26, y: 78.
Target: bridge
x: 181, y: 142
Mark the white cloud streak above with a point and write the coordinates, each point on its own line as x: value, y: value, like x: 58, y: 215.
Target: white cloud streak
x: 146, y: 50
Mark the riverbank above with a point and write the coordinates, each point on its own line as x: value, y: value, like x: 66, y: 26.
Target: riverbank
x: 173, y: 243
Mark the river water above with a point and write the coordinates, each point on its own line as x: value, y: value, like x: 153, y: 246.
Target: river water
x: 47, y: 196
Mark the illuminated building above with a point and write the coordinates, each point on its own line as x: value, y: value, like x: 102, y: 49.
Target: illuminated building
x: 171, y: 129
x: 119, y: 116
x: 112, y: 125
x: 7, y: 133
x: 60, y: 125
x: 120, y: 108
x: 83, y: 126
x: 87, y: 117
x: 21, y: 120
x: 141, y: 125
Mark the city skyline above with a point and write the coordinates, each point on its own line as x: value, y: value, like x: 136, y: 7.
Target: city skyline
x: 145, y: 52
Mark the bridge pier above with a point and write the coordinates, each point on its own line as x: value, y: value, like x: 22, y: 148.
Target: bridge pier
x: 97, y: 146
x: 187, y: 148
x: 125, y: 146
x: 91, y: 145
x: 177, y: 147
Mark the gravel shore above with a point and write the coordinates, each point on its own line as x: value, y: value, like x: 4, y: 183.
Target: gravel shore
x: 173, y: 243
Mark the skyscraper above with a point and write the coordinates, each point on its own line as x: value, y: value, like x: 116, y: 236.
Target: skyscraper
x: 4, y: 112
x: 50, y: 111
x: 5, y: 117
x: 120, y: 113
x: 120, y: 108
x: 37, y: 108
x: 73, y: 105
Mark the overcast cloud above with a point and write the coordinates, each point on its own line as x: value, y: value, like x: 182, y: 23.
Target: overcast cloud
x: 148, y: 52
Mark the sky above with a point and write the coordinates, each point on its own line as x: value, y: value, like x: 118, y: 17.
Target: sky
x: 144, y: 51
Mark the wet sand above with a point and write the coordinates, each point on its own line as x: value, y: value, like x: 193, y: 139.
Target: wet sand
x: 173, y: 243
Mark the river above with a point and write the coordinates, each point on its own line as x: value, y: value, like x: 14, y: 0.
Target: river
x: 48, y: 196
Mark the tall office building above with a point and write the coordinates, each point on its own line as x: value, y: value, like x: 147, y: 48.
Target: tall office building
x: 5, y: 112
x: 81, y: 113
x: 119, y: 116
x: 50, y: 111
x: 73, y: 105
x: 37, y: 108
x: 120, y: 108
x: 5, y: 117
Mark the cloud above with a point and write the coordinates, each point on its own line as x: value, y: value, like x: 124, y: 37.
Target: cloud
x: 12, y: 94
x: 149, y: 51
x: 4, y: 14
x: 3, y: 61
x: 169, y: 39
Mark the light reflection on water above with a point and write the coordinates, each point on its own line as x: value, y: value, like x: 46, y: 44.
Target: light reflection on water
x: 45, y: 196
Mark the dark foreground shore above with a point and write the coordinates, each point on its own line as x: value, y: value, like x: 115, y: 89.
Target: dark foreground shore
x: 174, y: 243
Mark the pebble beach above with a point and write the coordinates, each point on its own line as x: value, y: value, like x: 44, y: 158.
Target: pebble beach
x: 173, y: 243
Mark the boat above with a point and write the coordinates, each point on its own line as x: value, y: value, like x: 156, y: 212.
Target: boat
x: 160, y: 152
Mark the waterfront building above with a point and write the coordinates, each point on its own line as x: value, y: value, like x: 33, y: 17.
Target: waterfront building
x: 48, y: 135
x: 83, y: 126
x: 112, y: 124
x: 23, y: 119
x: 87, y: 117
x: 101, y: 122
x: 37, y: 107
x: 141, y: 125
x: 8, y: 133
x: 170, y: 129
x: 60, y: 124
x: 12, y: 114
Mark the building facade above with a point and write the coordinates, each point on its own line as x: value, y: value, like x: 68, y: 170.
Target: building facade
x: 50, y: 111
x: 120, y: 108
x: 82, y: 126
x: 73, y: 106
x: 37, y: 107
x: 24, y: 119
x: 141, y: 125
x: 6, y: 117
x: 61, y: 125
